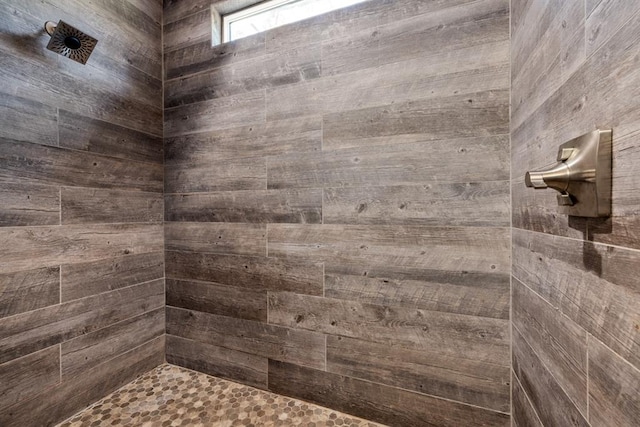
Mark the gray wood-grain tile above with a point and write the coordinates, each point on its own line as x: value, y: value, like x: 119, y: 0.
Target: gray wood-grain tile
x: 87, y: 351
x: 466, y: 204
x: 259, y: 273
x: 462, y: 292
x: 374, y: 401
x: 257, y: 206
x: 484, y: 384
x: 602, y: 296
x: 28, y: 332
x: 97, y: 136
x: 25, y: 376
x: 522, y: 412
x: 482, y: 339
x: 218, y: 113
x: 218, y: 361
x: 560, y: 344
x: 231, y: 301
x: 27, y: 120
x: 29, y: 290
x: 257, y: 140
x: 378, y: 165
x: 552, y: 404
x: 216, y: 237
x: 26, y: 247
x: 262, y: 72
x: 270, y: 341
x: 97, y: 205
x: 359, y: 176
x: 186, y: 31
x: 29, y: 204
x: 22, y: 162
x: 51, y: 405
x: 202, y: 56
x: 92, y: 278
x: 614, y: 388
x: 81, y: 148
x: 471, y: 249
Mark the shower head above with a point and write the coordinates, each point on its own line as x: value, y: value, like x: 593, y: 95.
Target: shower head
x: 69, y: 41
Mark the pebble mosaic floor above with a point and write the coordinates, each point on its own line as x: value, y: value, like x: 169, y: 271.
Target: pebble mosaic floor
x: 173, y: 396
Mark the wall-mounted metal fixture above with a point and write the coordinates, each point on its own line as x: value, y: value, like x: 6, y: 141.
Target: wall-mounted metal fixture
x: 69, y: 41
x: 582, y: 175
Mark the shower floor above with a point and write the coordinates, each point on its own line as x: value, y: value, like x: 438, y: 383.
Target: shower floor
x: 173, y: 396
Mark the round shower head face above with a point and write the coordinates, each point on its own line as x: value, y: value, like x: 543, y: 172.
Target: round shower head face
x: 70, y: 42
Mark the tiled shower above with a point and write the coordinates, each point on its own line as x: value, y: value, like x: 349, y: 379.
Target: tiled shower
x: 332, y: 211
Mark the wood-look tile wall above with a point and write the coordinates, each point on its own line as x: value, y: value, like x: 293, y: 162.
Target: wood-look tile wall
x: 81, y: 207
x: 337, y: 207
x: 576, y: 295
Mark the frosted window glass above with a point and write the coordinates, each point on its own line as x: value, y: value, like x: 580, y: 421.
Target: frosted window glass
x: 276, y: 13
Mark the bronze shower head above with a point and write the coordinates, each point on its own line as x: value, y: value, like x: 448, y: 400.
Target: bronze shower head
x: 69, y: 41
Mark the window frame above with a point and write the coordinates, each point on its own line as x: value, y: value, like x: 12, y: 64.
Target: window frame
x: 222, y: 31
x: 256, y: 9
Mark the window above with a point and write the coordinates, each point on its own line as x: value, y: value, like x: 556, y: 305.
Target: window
x: 274, y: 13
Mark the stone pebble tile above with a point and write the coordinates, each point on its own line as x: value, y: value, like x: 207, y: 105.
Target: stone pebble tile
x: 172, y: 396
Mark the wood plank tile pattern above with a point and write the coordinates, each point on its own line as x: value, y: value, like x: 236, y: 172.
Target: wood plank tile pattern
x: 252, y: 272
x: 95, y: 277
x: 28, y: 120
x: 89, y: 350
x: 560, y: 344
x: 552, y: 404
x: 24, y: 162
x: 463, y: 292
x: 337, y: 191
x: 614, y: 391
x: 23, y: 291
x: 375, y: 401
x: 258, y: 206
x: 27, y: 375
x: 337, y: 209
x: 242, y: 303
x: 259, y: 338
x: 97, y: 136
x: 94, y: 206
x: 220, y: 362
x: 522, y: 412
x: 423, y: 371
x: 81, y: 211
x: 31, y: 331
x: 50, y: 246
x: 51, y: 405
x: 575, y: 289
x: 29, y: 204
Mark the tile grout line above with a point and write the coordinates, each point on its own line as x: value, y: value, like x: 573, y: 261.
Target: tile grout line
x: 60, y: 284
x: 587, y: 368
x: 164, y: 173
x: 553, y: 236
x: 60, y: 204
x: 326, y: 338
x: 510, y: 221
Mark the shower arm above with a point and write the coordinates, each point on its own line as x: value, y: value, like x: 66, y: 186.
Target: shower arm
x: 50, y: 27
